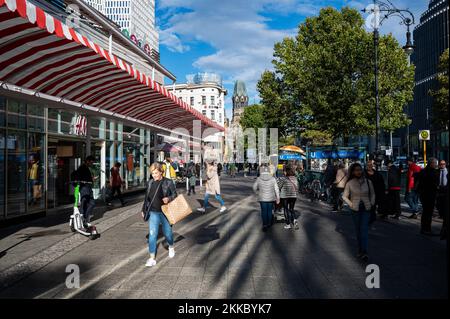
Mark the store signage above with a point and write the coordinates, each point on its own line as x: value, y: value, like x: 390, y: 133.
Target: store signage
x: 336, y: 154
x: 78, y: 126
x: 138, y: 42
x: 288, y: 157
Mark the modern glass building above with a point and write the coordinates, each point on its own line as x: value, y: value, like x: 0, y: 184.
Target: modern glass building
x: 431, y: 39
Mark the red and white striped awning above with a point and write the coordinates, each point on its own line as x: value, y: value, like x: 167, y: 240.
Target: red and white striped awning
x: 40, y: 53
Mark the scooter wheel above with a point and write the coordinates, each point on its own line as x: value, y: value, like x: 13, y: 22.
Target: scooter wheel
x: 72, y: 228
x: 94, y: 236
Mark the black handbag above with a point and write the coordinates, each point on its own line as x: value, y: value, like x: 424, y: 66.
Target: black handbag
x: 147, y: 207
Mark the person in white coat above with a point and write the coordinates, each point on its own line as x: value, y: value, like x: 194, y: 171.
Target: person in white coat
x: 268, y: 192
x: 212, y: 188
x: 359, y: 195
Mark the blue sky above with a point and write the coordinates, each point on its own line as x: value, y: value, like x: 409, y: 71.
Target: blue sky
x: 235, y: 38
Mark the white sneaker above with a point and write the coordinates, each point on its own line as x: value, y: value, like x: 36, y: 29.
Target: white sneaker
x: 150, y: 262
x: 171, y: 252
x: 201, y: 210
x: 222, y: 209
x: 287, y: 226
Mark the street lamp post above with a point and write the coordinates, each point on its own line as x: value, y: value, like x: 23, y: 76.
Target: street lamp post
x: 387, y: 9
x: 409, y: 49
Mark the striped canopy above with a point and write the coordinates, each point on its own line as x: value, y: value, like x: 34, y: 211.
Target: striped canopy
x: 40, y: 53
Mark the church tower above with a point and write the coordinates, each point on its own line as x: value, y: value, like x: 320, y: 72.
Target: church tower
x: 240, y: 101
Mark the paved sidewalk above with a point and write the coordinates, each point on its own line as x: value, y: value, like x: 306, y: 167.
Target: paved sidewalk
x: 228, y: 256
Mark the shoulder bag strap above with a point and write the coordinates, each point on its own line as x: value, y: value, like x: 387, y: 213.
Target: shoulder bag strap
x: 154, y: 195
x: 292, y: 184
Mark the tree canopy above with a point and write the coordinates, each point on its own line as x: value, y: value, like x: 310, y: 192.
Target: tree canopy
x: 323, y: 79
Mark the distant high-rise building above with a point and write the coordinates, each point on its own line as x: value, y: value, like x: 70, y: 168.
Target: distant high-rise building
x: 431, y: 39
x: 240, y: 101
x: 134, y: 18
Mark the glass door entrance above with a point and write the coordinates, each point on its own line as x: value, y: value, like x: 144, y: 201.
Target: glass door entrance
x: 64, y: 156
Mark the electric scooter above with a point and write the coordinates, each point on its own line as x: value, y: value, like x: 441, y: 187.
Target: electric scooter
x: 77, y: 222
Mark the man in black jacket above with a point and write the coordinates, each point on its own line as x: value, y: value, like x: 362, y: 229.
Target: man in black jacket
x: 85, y: 179
x: 428, y: 188
x: 393, y: 196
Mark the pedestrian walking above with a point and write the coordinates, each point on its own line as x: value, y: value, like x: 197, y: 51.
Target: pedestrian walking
x: 115, y: 183
x: 442, y: 201
x: 160, y: 191
x: 443, y: 197
x: 246, y: 169
x: 169, y: 170
x: 192, y: 179
x: 212, y: 188
x: 232, y: 170
x: 338, y: 187
x: 86, y: 180
x: 359, y: 195
x: 288, y: 186
x: 268, y: 192
x: 328, y: 178
x: 379, y: 187
x: 428, y: 189
x: 219, y: 169
x: 393, y: 193
x: 411, y: 196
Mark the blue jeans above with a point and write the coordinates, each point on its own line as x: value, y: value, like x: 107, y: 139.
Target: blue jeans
x: 157, y: 218
x: 266, y: 213
x: 206, y: 199
x: 412, y: 199
x: 361, y: 221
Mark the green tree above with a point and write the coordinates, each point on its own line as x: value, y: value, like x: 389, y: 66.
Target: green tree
x: 440, y: 101
x: 324, y: 78
x: 318, y: 138
x: 253, y: 117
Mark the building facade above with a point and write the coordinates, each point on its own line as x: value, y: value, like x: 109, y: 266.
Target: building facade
x: 431, y: 39
x: 65, y: 95
x: 240, y: 101
x: 137, y: 18
x: 205, y: 92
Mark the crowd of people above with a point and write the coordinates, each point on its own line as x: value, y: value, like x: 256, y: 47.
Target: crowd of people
x: 364, y: 190
x: 382, y: 199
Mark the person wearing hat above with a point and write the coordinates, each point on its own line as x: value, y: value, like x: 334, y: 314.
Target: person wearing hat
x: 411, y: 195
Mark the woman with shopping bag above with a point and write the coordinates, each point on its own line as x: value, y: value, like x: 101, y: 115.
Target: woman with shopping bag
x: 160, y: 191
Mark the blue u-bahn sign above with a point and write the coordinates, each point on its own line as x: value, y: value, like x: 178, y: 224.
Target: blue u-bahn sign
x: 289, y: 157
x: 337, y: 154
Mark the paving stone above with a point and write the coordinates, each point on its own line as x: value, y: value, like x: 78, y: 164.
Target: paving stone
x: 318, y: 261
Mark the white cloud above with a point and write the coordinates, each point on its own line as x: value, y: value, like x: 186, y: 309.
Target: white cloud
x: 172, y: 41
x: 236, y: 29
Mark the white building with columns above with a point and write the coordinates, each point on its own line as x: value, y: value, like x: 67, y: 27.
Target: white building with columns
x: 205, y: 92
